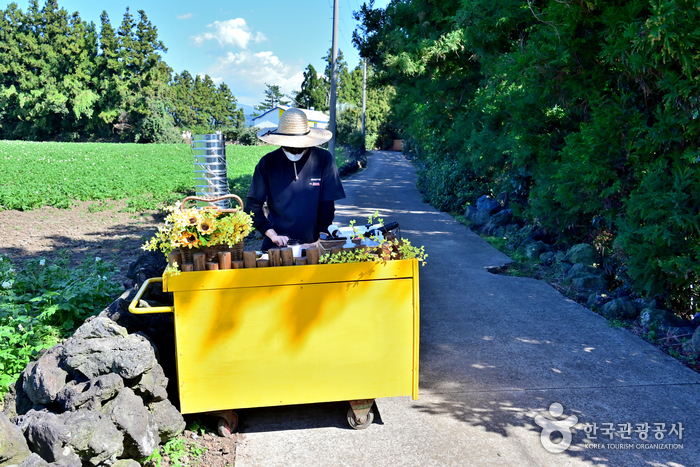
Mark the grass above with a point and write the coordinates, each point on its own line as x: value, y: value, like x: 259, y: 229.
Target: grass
x: 342, y: 156
x: 147, y: 175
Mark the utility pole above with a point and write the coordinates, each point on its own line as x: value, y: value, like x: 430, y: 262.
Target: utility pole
x: 334, y: 78
x: 364, y: 96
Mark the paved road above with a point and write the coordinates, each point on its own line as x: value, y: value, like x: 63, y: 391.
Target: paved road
x: 496, y: 351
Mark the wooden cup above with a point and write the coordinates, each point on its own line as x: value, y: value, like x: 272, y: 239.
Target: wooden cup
x: 249, y: 259
x: 200, y: 261
x: 312, y: 255
x: 287, y: 256
x: 275, y: 258
x: 224, y: 260
x: 174, y: 257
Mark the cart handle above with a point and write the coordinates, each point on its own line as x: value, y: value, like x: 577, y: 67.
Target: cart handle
x: 213, y: 199
x: 133, y: 308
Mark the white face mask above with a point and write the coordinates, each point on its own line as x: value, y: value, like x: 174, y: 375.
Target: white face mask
x: 294, y: 157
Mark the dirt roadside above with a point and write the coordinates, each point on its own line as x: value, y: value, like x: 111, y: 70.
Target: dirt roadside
x: 109, y: 233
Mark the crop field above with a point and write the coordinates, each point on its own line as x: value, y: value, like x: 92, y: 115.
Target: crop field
x: 147, y: 175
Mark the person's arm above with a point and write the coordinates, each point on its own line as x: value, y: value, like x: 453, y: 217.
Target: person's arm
x: 326, y: 213
x: 255, y: 208
x: 279, y: 240
x: 260, y: 222
x: 331, y: 186
x: 257, y: 195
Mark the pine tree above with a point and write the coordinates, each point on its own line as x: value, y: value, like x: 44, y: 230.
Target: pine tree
x: 198, y: 105
x: 111, y: 85
x: 273, y: 97
x: 312, y: 92
x: 342, y: 74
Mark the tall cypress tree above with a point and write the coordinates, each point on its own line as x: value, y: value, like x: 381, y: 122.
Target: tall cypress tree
x: 313, y: 92
x: 109, y: 72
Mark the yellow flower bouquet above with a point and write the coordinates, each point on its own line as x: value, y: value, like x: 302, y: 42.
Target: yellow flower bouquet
x: 200, y: 228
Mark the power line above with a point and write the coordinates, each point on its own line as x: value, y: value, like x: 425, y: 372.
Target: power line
x: 344, y: 39
x: 349, y: 7
x: 347, y: 42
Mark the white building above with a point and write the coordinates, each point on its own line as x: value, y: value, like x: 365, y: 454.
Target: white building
x: 271, y: 118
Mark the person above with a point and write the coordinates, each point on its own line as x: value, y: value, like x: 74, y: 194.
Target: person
x: 299, y: 181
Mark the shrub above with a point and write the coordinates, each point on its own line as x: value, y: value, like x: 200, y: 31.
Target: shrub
x: 448, y: 187
x: 661, y: 235
x: 157, y: 126
x: 45, y: 301
x: 248, y: 136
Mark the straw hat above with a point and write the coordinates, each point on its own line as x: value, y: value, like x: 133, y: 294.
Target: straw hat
x: 294, y: 131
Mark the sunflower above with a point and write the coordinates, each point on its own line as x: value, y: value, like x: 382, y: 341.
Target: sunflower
x: 196, y: 228
x: 206, y: 225
x: 189, y: 240
x: 188, y: 217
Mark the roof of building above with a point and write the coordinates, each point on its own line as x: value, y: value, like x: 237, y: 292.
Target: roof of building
x: 312, y: 115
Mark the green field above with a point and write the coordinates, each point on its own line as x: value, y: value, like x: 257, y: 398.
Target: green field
x: 147, y: 175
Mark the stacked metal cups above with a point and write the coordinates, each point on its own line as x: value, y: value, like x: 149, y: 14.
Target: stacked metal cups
x: 210, y: 176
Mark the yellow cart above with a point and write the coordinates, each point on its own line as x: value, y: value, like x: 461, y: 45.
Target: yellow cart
x: 294, y: 335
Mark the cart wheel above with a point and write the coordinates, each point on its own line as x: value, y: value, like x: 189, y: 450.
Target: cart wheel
x: 226, y: 428
x: 360, y: 426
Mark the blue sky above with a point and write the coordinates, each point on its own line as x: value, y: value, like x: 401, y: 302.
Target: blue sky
x: 242, y: 43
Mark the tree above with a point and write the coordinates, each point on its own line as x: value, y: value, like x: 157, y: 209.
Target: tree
x: 585, y: 113
x: 342, y: 74
x: 313, y: 91
x: 183, y: 108
x: 351, y: 90
x: 46, y: 58
x: 378, y: 126
x: 109, y: 72
x: 273, y: 97
x: 198, y: 105
x: 60, y: 79
x: 224, y: 111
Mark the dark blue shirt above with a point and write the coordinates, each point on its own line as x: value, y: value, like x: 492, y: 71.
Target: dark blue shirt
x: 300, y: 195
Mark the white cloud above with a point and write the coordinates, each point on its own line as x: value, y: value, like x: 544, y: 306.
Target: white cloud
x: 233, y: 32
x: 185, y: 16
x: 246, y: 74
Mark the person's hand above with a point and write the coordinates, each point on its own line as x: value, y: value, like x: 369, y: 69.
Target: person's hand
x: 279, y: 240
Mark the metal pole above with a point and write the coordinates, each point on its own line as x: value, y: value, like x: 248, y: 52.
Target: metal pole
x: 334, y: 78
x: 364, y: 95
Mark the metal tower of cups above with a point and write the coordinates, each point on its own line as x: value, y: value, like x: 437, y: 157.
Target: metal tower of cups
x: 210, y: 165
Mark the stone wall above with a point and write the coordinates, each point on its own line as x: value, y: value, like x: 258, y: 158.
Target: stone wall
x: 97, y: 397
